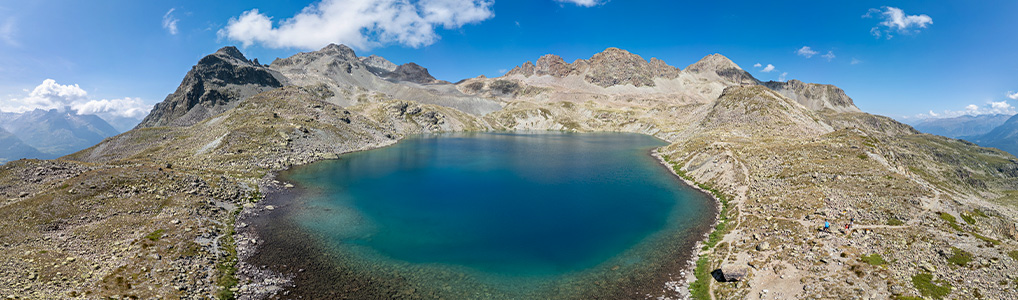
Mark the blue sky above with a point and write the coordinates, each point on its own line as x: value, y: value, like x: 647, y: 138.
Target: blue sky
x: 120, y: 57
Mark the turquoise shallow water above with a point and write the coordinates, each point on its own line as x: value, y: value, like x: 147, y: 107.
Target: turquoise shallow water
x: 501, y: 211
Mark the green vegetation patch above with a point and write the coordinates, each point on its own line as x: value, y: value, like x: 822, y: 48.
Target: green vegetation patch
x: 968, y: 219
x: 155, y: 235
x: 700, y: 289
x: 927, y: 287
x: 960, y: 257
x: 873, y: 259
x: 951, y: 220
x: 1013, y: 255
x: 226, y: 269
x: 895, y: 222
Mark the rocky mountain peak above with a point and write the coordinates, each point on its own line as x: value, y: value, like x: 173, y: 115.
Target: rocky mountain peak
x: 553, y: 65
x: 713, y: 62
x: 340, y: 51
x: 412, y: 72
x: 615, y: 66
x: 724, y: 68
x: 231, y: 51
x: 214, y: 85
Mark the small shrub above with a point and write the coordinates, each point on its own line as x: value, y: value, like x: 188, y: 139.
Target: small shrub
x: 968, y: 219
x: 894, y: 222
x: 936, y: 290
x: 960, y: 257
x: 155, y: 235
x: 874, y: 259
x: 948, y: 217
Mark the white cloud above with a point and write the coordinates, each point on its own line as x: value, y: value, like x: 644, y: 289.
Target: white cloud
x: 895, y: 20
x: 1012, y: 95
x: 829, y: 56
x: 990, y: 108
x: 783, y: 76
x: 52, y: 95
x: 806, y: 51
x: 584, y: 3
x: 7, y: 30
x: 757, y: 65
x: 361, y: 24
x: 170, y: 22
x: 768, y: 68
x: 856, y: 61
x: 128, y: 107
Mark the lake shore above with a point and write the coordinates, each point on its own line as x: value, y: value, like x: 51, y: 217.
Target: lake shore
x: 285, y: 260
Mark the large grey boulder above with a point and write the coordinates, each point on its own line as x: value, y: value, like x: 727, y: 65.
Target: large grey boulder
x: 732, y: 272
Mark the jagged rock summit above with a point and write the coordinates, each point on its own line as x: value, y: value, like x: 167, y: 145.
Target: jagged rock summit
x: 611, y: 67
x: 213, y: 86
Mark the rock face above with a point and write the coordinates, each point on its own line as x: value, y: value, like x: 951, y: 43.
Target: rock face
x: 815, y: 96
x: 378, y: 65
x: 217, y: 83
x: 611, y: 67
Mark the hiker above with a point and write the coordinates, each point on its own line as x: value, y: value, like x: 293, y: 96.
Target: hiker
x: 827, y: 226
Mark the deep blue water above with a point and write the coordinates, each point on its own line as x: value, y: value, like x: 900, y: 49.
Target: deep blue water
x: 486, y: 216
x: 508, y: 204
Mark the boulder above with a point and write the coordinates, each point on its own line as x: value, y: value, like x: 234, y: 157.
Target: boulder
x: 731, y: 272
x: 763, y: 246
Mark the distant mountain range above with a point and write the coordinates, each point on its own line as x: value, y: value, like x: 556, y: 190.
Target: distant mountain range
x: 963, y: 126
x: 1003, y: 137
x: 997, y: 131
x: 48, y: 134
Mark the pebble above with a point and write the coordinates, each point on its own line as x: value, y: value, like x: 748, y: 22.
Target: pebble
x: 270, y: 207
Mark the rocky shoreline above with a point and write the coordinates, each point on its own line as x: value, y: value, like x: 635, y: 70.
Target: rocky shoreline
x: 267, y: 282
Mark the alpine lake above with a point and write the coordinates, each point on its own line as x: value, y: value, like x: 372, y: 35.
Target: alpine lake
x: 523, y: 215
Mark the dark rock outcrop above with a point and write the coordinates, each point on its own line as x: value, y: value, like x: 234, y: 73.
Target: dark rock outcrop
x: 411, y: 72
x: 217, y: 83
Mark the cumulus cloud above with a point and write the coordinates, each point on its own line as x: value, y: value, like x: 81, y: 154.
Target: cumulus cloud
x: 757, y: 65
x: 990, y: 108
x: 1012, y: 95
x: 768, y: 68
x: 806, y: 52
x: 584, y: 3
x: 829, y: 56
x: 361, y: 24
x: 896, y: 21
x: 52, y: 95
x: 783, y: 76
x: 128, y: 107
x: 170, y: 22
